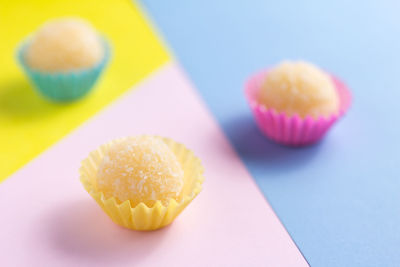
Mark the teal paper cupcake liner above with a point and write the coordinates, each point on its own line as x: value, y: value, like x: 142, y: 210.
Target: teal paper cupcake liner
x: 64, y: 86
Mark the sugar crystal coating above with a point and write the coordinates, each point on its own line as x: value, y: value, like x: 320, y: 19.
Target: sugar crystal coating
x: 299, y: 88
x: 64, y: 45
x: 140, y: 169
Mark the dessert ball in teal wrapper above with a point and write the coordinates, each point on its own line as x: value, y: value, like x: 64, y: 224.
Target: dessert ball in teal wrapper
x: 64, y: 59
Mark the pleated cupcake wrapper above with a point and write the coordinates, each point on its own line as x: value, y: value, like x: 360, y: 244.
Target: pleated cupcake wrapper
x: 292, y: 130
x: 142, y: 217
x: 64, y: 86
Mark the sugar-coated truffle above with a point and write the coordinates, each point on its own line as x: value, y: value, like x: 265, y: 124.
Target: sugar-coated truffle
x: 140, y: 169
x: 299, y: 88
x: 64, y: 45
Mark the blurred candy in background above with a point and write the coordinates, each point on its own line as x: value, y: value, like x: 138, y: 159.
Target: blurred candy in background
x: 29, y: 123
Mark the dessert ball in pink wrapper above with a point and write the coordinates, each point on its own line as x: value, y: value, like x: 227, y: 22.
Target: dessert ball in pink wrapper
x: 295, y: 103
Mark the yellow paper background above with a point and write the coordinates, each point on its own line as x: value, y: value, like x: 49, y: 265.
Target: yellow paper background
x: 28, y: 123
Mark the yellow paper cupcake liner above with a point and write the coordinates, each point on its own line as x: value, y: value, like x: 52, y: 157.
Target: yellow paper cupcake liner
x: 141, y: 217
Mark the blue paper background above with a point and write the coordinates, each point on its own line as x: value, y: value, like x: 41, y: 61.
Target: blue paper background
x: 339, y: 199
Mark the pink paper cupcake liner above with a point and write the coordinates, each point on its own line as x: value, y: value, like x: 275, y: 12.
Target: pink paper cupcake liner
x: 292, y: 130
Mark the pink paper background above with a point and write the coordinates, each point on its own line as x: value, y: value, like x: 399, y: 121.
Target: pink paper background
x: 47, y: 219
